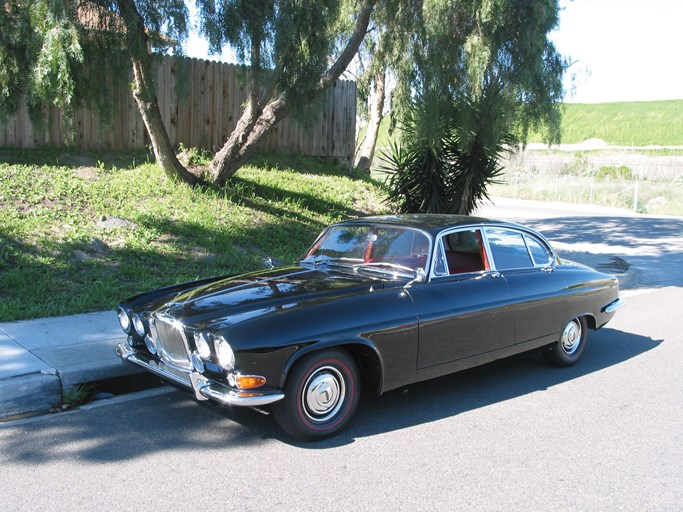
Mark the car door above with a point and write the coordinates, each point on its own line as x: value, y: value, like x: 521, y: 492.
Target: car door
x: 465, y: 308
x: 527, y: 264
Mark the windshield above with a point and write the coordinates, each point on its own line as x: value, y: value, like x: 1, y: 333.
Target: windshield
x: 367, y: 248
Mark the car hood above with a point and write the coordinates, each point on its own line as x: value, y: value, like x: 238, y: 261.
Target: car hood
x: 230, y: 300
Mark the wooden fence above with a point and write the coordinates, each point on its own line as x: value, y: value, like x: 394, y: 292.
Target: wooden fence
x: 202, y: 117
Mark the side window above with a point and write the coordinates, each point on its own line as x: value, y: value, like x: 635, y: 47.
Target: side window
x: 440, y: 260
x: 460, y: 252
x: 508, y: 249
x: 538, y: 251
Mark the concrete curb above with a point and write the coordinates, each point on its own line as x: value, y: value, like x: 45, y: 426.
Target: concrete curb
x: 29, y: 393
x: 42, y: 359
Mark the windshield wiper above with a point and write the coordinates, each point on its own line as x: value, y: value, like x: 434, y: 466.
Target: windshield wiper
x: 334, y: 262
x: 377, y: 266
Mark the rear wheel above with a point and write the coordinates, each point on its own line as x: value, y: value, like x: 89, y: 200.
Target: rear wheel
x: 321, y: 396
x: 569, y: 348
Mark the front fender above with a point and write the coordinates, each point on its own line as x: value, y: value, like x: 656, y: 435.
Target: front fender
x: 364, y: 352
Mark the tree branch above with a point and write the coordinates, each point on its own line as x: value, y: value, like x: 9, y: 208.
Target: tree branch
x: 352, y: 46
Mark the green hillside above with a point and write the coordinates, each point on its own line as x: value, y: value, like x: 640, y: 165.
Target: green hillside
x: 637, y: 123
x: 640, y: 123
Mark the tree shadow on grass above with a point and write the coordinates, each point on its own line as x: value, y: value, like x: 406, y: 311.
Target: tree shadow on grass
x: 262, y: 198
x: 78, y: 277
x: 74, y: 157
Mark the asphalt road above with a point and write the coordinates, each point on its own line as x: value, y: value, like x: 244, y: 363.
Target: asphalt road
x: 514, y: 435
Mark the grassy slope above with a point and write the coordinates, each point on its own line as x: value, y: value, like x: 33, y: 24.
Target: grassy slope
x: 624, y: 124
x: 77, y: 238
x: 641, y: 123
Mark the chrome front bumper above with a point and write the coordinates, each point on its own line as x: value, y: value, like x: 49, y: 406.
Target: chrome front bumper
x: 203, y: 388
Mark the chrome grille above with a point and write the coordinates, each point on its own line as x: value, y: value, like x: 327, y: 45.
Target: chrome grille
x: 171, y: 342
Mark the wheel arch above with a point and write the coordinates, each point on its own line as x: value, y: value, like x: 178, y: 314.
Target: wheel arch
x: 590, y: 321
x: 363, y: 351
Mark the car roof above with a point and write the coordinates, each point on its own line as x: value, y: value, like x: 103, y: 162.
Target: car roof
x: 430, y: 222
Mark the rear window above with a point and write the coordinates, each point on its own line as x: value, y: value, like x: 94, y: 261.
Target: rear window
x: 538, y: 251
x: 508, y: 249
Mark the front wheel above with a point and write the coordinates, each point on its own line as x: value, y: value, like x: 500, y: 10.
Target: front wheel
x: 569, y: 348
x: 321, y: 396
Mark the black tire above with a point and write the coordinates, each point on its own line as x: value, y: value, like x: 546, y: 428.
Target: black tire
x: 569, y: 348
x: 321, y: 396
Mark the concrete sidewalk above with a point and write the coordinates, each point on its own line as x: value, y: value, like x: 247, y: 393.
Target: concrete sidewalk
x: 40, y: 359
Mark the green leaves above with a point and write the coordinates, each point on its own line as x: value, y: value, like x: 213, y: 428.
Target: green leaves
x: 70, y: 52
x: 448, y: 158
x: 18, y: 46
x: 52, y: 75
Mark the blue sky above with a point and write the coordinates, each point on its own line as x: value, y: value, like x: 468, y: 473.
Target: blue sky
x: 623, y: 50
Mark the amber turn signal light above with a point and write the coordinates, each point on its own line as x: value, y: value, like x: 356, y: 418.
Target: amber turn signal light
x: 249, y: 381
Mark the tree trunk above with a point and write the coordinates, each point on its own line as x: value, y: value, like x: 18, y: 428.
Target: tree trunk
x: 149, y: 109
x: 145, y: 96
x: 376, y: 115
x: 244, y: 139
x: 242, y: 142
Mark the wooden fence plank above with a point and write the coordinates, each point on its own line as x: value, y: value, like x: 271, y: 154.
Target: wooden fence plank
x: 216, y: 95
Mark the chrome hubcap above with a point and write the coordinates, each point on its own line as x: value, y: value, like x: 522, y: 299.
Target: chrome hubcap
x: 571, y: 337
x: 323, y: 394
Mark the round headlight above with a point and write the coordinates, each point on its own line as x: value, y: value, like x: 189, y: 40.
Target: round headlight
x: 138, y: 325
x: 202, y: 344
x: 124, y: 319
x: 226, y: 357
x: 149, y: 341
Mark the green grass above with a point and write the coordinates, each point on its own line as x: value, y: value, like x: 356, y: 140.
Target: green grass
x: 82, y: 236
x: 641, y: 123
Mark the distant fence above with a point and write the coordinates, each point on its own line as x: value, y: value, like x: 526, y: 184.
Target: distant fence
x: 203, y: 117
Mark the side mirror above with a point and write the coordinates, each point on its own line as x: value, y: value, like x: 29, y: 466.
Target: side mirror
x: 420, y: 277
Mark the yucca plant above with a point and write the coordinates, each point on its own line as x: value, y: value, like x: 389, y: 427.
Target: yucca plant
x: 444, y: 164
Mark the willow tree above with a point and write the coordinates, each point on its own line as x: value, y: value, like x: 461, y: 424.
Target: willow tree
x: 484, y: 73
x: 74, y: 52
x: 383, y: 56
x: 295, y: 50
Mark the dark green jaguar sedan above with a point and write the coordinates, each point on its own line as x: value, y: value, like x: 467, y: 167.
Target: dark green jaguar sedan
x: 379, y: 301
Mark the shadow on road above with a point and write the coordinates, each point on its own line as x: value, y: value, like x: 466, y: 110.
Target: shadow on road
x: 653, y: 244
x: 176, y: 422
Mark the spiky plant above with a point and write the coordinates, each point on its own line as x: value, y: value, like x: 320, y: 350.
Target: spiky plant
x: 446, y: 166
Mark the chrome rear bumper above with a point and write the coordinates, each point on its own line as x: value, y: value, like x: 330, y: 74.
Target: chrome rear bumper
x: 203, y: 388
x: 614, y: 305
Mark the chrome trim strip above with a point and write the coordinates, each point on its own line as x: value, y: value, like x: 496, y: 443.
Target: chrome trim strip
x: 203, y: 388
x: 614, y: 305
x: 212, y: 391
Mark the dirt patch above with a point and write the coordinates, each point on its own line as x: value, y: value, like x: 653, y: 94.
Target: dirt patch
x: 71, y: 160
x: 116, y: 223
x: 86, y: 173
